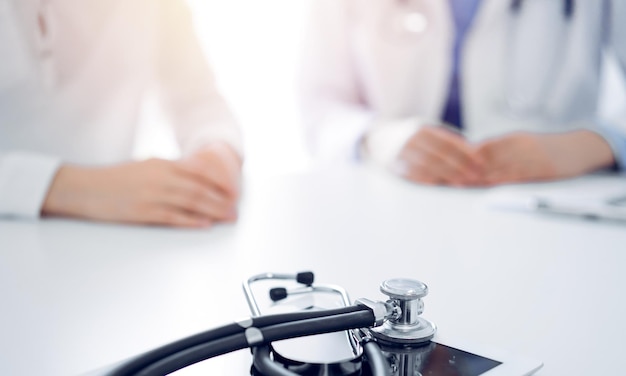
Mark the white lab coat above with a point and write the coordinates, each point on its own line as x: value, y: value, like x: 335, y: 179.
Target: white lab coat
x: 73, y: 74
x: 534, y: 71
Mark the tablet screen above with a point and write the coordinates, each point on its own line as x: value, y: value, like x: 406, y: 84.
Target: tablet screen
x: 439, y: 360
x: 448, y: 361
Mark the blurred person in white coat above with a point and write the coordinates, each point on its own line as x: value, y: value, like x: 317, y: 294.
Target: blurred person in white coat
x: 73, y: 74
x: 464, y: 92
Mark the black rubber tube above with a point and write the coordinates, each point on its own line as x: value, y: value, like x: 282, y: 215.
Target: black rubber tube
x: 319, y: 325
x: 376, y: 360
x: 142, y: 361
x: 336, y: 323
x: 264, y: 364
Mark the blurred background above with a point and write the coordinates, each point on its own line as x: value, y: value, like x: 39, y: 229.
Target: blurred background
x: 253, y: 48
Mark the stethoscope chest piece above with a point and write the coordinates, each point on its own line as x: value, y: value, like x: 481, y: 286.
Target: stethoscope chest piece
x: 408, y: 328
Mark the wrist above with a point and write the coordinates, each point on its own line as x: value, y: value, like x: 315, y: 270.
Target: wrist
x: 587, y: 151
x: 66, y: 193
x: 224, y: 151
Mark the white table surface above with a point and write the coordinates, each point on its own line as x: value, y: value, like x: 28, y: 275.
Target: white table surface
x: 77, y: 295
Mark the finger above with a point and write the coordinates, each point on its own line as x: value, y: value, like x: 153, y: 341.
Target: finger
x: 186, y: 191
x: 164, y: 215
x: 501, y: 152
x: 458, y: 146
x: 209, y: 176
x: 194, y: 197
x: 497, y: 154
x: 428, y: 169
x: 216, y: 169
x: 514, y: 173
x: 425, y: 170
x: 452, y: 150
x: 448, y: 172
x: 452, y: 168
x: 419, y: 175
x: 522, y: 171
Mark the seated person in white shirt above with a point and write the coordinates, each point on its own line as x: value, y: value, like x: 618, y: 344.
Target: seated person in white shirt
x: 72, y: 77
x: 464, y: 92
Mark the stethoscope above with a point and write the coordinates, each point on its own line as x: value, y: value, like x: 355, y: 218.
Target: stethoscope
x: 568, y: 7
x: 414, y: 16
x: 528, y: 83
x: 524, y: 97
x: 373, y: 329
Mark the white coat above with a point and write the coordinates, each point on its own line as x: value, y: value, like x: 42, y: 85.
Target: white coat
x: 72, y: 77
x: 534, y: 70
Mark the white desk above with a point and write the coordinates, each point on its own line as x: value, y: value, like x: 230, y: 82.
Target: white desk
x: 78, y: 295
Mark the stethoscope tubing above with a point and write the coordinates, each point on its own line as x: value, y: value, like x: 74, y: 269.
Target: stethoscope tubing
x: 516, y: 6
x: 221, y: 346
x: 265, y: 365
x: 232, y: 337
x: 568, y: 7
x: 376, y: 359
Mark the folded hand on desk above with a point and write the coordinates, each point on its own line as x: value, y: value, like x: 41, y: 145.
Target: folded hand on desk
x: 435, y: 155
x: 193, y: 192
x: 521, y: 157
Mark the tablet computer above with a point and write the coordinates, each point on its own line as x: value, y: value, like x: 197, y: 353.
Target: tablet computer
x: 466, y: 358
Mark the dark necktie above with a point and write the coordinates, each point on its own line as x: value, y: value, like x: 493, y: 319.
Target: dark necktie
x: 463, y: 12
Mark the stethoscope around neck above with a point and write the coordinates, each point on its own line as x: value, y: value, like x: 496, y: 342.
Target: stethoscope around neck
x: 414, y: 17
x: 369, y: 325
x: 568, y: 7
x: 527, y: 79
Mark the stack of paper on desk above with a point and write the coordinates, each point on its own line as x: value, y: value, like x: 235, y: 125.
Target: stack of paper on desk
x: 594, y: 196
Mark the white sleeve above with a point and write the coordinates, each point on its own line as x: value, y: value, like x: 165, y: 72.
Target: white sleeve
x: 24, y: 182
x: 386, y: 138
x: 612, y: 126
x: 187, y: 88
x: 339, y: 122
x: 334, y: 112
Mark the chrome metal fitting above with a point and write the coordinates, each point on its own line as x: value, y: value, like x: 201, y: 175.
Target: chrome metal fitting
x: 382, y: 311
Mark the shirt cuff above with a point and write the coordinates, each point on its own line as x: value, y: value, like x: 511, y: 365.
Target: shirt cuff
x: 386, y: 139
x: 24, y: 182
x: 338, y: 138
x: 617, y: 141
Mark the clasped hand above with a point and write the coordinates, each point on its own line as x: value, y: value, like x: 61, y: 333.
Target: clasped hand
x: 196, y: 191
x: 437, y: 156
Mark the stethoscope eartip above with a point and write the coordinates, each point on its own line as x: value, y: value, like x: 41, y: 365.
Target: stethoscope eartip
x: 306, y: 278
x: 278, y: 293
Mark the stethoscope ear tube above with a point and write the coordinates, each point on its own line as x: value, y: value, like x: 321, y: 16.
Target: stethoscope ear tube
x: 376, y: 361
x: 252, y: 332
x: 264, y: 364
x: 568, y: 7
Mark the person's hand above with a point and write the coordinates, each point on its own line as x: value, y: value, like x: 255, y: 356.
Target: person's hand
x: 222, y: 170
x: 521, y: 157
x: 435, y: 155
x: 194, y: 192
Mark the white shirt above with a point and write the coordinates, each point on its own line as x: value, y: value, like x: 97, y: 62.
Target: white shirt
x: 379, y: 72
x: 73, y: 75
